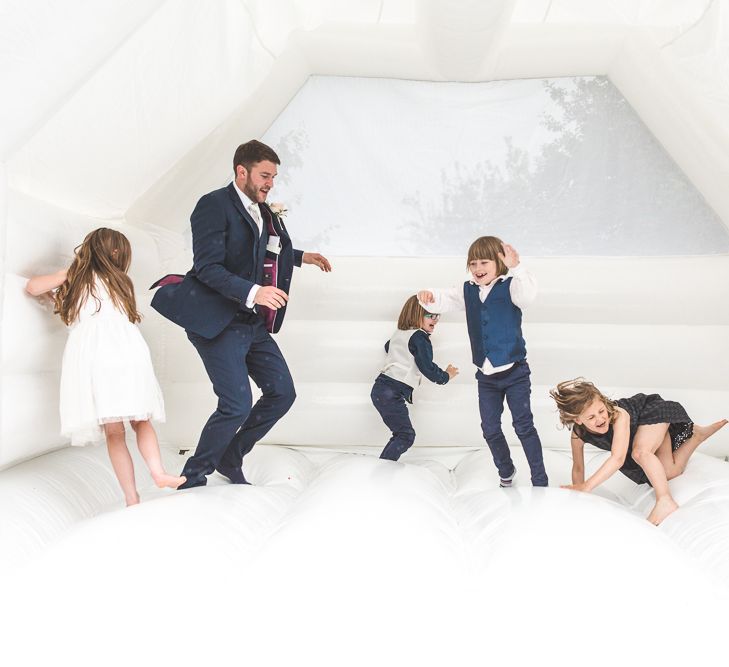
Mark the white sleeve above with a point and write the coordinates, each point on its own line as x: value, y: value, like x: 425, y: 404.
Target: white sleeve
x: 446, y: 300
x: 252, y: 295
x: 523, y: 288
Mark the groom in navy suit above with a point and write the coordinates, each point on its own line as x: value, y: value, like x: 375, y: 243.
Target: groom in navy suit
x: 230, y: 300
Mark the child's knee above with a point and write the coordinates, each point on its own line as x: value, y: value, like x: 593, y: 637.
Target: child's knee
x: 492, y: 431
x: 405, y: 436
x: 639, y: 455
x: 525, y: 429
x: 114, y: 429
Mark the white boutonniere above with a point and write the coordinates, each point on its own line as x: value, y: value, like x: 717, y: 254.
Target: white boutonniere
x: 279, y: 209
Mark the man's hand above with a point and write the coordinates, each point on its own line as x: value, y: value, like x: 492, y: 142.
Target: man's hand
x: 271, y: 296
x: 452, y: 371
x: 317, y: 259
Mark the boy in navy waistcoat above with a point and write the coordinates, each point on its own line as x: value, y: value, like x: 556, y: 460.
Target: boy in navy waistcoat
x: 493, y: 301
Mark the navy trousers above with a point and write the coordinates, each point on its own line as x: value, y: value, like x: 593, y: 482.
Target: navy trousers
x: 244, y: 348
x: 390, y: 402
x: 515, y: 386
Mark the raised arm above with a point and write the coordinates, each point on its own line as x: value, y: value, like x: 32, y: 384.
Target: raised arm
x: 313, y: 258
x: 523, y: 287
x: 41, y: 284
x: 618, y: 452
x: 442, y: 300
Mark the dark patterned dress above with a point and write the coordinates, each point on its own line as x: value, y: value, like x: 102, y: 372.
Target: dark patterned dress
x: 643, y: 409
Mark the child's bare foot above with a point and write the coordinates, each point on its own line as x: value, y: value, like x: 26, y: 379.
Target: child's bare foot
x: 163, y: 480
x: 134, y: 500
x: 663, y: 507
x: 704, y: 432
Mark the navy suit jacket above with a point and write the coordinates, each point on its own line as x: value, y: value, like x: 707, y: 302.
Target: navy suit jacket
x: 227, y: 262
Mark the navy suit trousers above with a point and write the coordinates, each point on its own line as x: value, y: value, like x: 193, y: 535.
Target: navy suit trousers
x: 244, y: 348
x: 515, y: 386
x: 390, y: 403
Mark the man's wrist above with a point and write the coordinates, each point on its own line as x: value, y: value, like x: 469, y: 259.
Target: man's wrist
x: 250, y: 300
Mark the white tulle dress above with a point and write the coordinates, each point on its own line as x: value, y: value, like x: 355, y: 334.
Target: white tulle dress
x: 107, y: 372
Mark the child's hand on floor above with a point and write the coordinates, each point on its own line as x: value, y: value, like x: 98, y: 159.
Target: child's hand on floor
x: 575, y: 487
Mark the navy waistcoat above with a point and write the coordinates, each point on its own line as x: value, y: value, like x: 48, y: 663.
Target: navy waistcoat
x: 494, y: 326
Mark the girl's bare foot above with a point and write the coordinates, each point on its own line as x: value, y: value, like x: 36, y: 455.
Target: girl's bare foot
x: 163, y: 480
x: 134, y: 500
x: 663, y: 507
x: 704, y: 432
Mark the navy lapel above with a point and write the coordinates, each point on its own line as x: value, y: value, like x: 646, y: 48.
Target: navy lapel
x: 242, y: 210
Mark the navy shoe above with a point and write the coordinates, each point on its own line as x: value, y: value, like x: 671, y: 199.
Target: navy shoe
x: 235, y: 475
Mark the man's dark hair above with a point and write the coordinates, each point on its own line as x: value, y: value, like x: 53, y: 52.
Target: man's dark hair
x: 253, y: 151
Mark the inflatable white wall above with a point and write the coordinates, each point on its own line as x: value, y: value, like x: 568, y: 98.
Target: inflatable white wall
x: 628, y: 324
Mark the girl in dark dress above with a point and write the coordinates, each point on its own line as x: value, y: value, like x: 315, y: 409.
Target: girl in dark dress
x: 650, y: 440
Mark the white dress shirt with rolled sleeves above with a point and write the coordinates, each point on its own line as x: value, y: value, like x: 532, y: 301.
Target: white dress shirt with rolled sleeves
x: 523, y: 290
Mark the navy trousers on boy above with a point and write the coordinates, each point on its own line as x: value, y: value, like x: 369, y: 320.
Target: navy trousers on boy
x: 244, y: 348
x: 389, y: 401
x: 515, y: 386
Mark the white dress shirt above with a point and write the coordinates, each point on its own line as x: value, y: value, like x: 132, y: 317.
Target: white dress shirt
x: 523, y: 290
x: 255, y: 212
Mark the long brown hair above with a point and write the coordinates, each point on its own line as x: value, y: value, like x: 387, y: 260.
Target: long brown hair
x: 104, y: 254
x: 411, y: 315
x: 572, y: 398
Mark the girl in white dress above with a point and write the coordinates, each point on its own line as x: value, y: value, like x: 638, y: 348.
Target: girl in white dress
x: 107, y: 375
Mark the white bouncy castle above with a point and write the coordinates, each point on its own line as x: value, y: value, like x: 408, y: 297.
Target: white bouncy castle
x: 589, y: 134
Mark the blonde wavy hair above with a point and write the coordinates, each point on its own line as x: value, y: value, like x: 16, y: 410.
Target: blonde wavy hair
x: 104, y: 254
x: 572, y: 398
